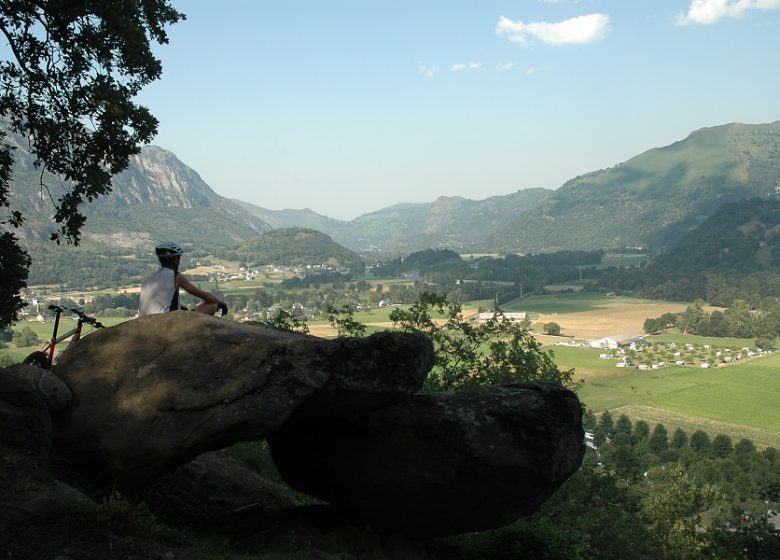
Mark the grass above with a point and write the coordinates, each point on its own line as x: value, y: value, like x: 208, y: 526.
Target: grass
x: 740, y: 399
x: 558, y: 303
x: 679, y: 338
x: 622, y: 259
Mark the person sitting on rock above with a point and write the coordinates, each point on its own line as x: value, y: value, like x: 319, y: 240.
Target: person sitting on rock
x: 160, y: 290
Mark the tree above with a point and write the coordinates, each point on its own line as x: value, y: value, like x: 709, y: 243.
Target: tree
x: 343, y: 320
x: 468, y: 354
x: 673, y: 511
x: 679, y: 439
x: 623, y: 425
x: 588, y: 419
x: 604, y: 429
x: 700, y: 442
x: 721, y: 446
x: 26, y: 337
x: 659, y: 440
x: 67, y: 85
x: 553, y: 329
x: 641, y: 431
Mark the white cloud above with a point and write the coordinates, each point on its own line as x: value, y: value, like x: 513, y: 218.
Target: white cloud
x: 530, y: 71
x: 427, y: 71
x: 459, y: 67
x: 706, y: 12
x: 503, y: 67
x: 578, y: 30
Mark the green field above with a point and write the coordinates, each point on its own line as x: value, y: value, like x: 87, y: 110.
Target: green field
x: 679, y: 338
x: 558, y: 303
x: 740, y: 400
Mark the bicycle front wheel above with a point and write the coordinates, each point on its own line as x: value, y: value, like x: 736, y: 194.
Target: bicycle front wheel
x: 39, y: 359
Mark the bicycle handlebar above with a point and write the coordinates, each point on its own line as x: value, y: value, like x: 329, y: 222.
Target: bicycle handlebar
x: 87, y: 319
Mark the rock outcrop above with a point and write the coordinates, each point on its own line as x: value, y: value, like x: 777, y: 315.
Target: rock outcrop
x: 154, y: 393
x: 442, y: 463
x: 25, y: 420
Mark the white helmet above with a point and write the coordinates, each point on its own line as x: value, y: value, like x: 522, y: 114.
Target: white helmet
x: 168, y: 249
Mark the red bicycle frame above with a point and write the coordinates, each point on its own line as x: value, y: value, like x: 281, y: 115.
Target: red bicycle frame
x: 45, y: 357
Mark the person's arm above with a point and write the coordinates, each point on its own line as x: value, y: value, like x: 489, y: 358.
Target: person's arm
x: 184, y: 282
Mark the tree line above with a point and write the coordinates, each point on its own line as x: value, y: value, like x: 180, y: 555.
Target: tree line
x: 738, y: 321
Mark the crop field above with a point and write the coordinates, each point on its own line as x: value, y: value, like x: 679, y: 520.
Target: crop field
x: 593, y: 316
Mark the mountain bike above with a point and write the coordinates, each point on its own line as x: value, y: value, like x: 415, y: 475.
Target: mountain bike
x: 45, y: 357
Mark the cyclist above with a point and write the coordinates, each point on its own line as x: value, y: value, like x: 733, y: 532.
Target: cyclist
x: 160, y: 290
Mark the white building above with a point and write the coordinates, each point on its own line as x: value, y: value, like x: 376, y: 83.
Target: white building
x: 512, y: 317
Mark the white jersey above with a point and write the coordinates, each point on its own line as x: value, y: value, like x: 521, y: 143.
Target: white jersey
x: 157, y: 292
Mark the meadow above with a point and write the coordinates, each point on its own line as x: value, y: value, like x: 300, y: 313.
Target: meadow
x: 739, y: 400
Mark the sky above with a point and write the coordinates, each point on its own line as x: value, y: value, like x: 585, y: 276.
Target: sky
x: 349, y: 106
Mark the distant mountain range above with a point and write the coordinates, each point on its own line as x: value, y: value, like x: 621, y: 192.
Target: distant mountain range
x: 652, y: 199
x: 448, y: 222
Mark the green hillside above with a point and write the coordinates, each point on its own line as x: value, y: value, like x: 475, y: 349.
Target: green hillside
x: 296, y: 247
x: 654, y: 198
x: 740, y: 238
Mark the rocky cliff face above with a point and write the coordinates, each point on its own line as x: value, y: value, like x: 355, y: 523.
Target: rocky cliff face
x: 158, y: 176
x: 156, y: 197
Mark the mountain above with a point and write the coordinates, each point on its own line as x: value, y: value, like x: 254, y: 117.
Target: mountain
x: 289, y: 218
x: 296, y: 247
x: 739, y: 238
x: 653, y: 198
x: 156, y: 197
x: 448, y: 222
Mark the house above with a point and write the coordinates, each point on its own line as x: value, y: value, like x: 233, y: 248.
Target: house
x: 511, y: 317
x: 632, y: 340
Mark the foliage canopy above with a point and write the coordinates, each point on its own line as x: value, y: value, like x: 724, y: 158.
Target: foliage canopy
x: 470, y: 354
x: 66, y: 96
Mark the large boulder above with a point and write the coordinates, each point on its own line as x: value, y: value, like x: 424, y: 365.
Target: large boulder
x: 439, y: 463
x: 25, y: 420
x: 154, y: 393
x: 51, y: 388
x: 220, y: 493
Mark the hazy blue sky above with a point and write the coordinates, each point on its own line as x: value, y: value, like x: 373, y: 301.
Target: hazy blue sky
x: 348, y: 106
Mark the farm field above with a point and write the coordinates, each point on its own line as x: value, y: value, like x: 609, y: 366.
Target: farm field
x: 591, y: 315
x: 739, y: 400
